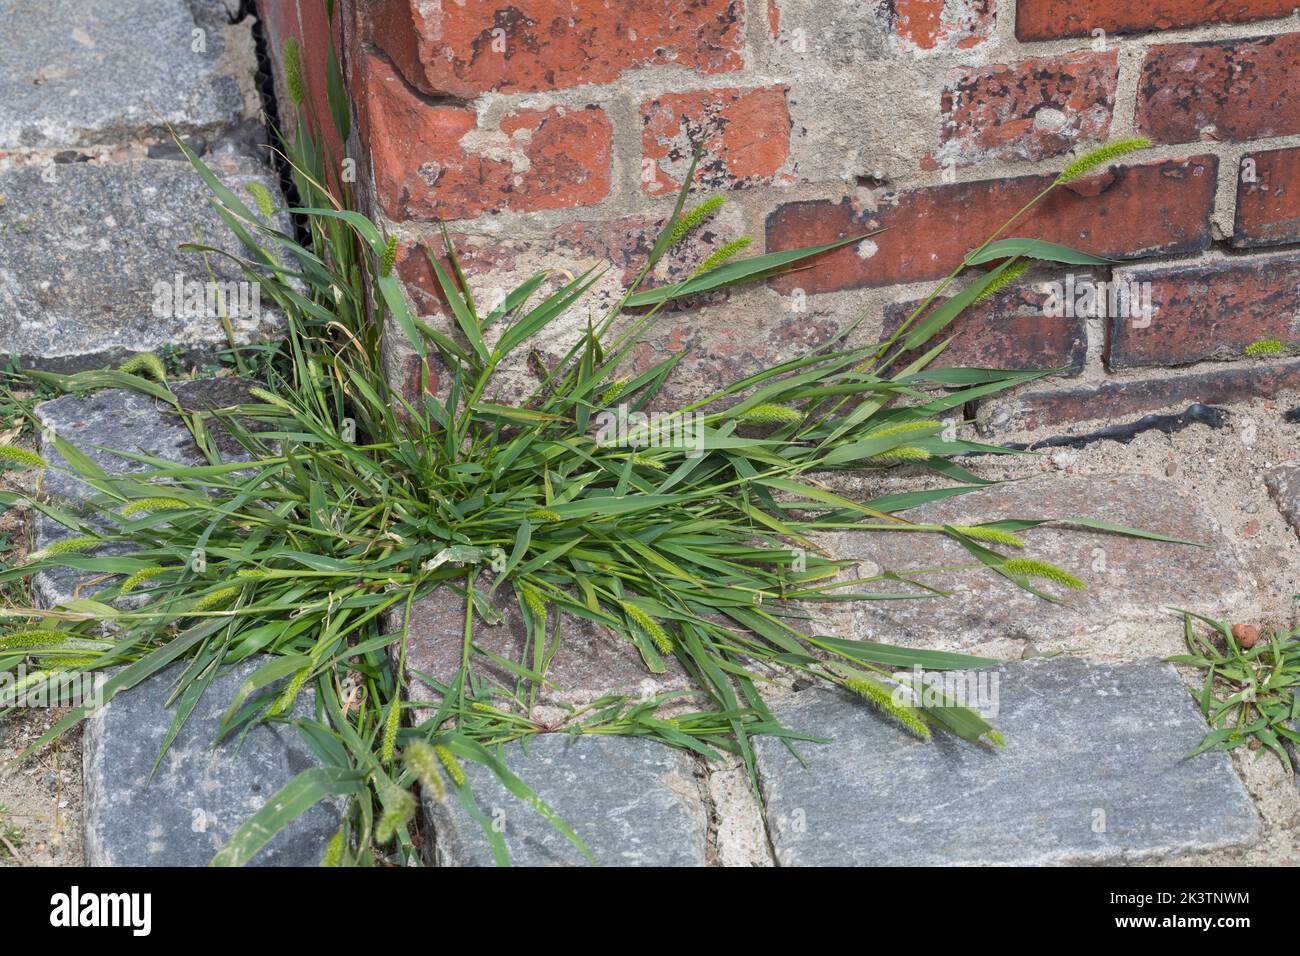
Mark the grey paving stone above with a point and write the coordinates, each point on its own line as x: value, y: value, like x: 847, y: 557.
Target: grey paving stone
x: 199, y: 795
x: 1130, y: 581
x: 112, y: 420
x: 1092, y: 772
x: 76, y: 72
x: 89, y: 264
x: 1283, y: 484
x: 632, y: 802
x: 590, y: 662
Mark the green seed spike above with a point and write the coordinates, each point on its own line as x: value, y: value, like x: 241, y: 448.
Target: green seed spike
x: 693, y: 218
x: 995, y: 535
x: 146, y: 363
x: 399, y: 808
x: 771, y: 415
x: 1263, y: 347
x: 1009, y: 275
x: 544, y: 514
x: 333, y: 851
x: 1031, y: 568
x: 613, y: 392
x: 220, y: 596
x: 284, y: 702
x: 13, y: 455
x: 391, y: 725
x: 270, y: 398
x: 888, y: 431
x: 261, y: 198
x: 66, y: 546
x: 423, y: 762
x: 882, y: 698
x: 652, y: 627
x: 451, y: 764
x: 293, y: 71
x: 390, y: 254
x: 154, y: 504
x: 17, y: 640
x: 728, y: 251
x: 1100, y: 157
x: 143, y: 575
x: 902, y: 453
x: 535, y: 602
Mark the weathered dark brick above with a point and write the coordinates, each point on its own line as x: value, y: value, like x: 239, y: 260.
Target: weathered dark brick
x: 1221, y: 90
x: 1057, y: 19
x: 1118, y: 400
x: 1208, y: 311
x: 1155, y: 209
x: 1028, y: 110
x: 1268, y: 199
x: 744, y: 135
x: 1009, y: 330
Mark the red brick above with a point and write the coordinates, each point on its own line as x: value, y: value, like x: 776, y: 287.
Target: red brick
x: 1221, y: 90
x: 773, y: 18
x: 1155, y: 209
x: 993, y: 112
x: 744, y: 134
x: 1010, y: 330
x: 464, y: 49
x: 427, y: 166
x: 1208, y: 311
x: 1268, y: 199
x: 1111, y: 401
x: 933, y: 24
x: 1055, y: 19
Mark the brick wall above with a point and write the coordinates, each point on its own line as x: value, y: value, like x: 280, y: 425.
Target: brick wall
x: 552, y: 134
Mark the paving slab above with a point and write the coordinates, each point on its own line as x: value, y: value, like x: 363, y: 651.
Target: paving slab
x: 1283, y: 483
x: 632, y: 802
x: 591, y: 660
x: 91, y: 272
x: 1130, y: 581
x: 78, y: 72
x: 110, y: 420
x: 1093, y: 772
x: 200, y: 795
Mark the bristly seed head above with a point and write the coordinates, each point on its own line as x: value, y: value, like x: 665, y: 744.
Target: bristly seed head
x: 995, y: 535
x: 146, y: 363
x: 66, y: 546
x: 293, y: 70
x: 154, y: 504
x: 13, y: 455
x: 423, y: 762
x: 882, y: 698
x: 693, y: 218
x: 1031, y: 568
x: 1100, y: 157
x: 261, y: 199
x: 451, y: 764
x: 1006, y: 278
x: 653, y: 629
x: 143, y: 575
x: 771, y: 415
x: 390, y: 254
